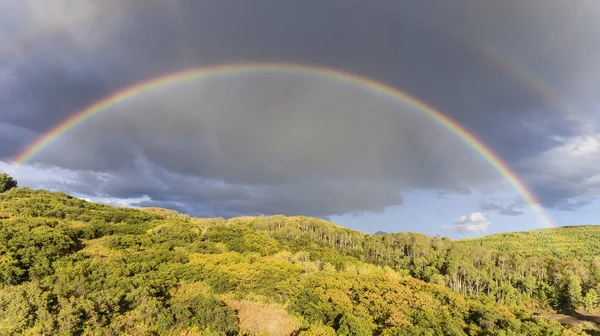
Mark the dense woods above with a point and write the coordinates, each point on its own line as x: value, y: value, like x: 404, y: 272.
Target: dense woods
x: 70, y: 267
x: 581, y: 242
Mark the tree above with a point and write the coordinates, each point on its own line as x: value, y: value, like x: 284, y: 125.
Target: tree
x: 573, y: 293
x: 318, y: 330
x: 590, y: 300
x: 7, y: 182
x: 353, y: 325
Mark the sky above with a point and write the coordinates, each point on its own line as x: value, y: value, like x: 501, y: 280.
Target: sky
x: 522, y: 77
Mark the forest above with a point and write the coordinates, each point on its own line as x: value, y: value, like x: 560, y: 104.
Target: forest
x: 581, y: 242
x: 72, y: 267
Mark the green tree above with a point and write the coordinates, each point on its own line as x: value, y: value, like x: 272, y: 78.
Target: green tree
x: 318, y: 330
x: 590, y: 301
x: 7, y: 182
x: 350, y: 324
x: 73, y: 267
x: 573, y: 292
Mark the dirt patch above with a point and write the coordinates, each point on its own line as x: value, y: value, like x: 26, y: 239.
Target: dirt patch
x: 589, y: 323
x: 564, y: 319
x: 258, y: 318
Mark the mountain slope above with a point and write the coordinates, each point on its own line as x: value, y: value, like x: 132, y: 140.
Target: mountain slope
x: 72, y: 267
x: 564, y: 242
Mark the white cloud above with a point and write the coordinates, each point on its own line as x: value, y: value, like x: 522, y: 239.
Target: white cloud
x: 475, y: 222
x: 568, y: 176
x: 575, y: 156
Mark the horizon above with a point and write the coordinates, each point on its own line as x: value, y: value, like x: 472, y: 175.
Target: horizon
x: 126, y: 206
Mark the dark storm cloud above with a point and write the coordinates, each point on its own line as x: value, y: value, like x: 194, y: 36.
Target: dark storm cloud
x: 553, y: 39
x: 204, y: 197
x: 426, y: 48
x: 12, y: 138
x: 265, y: 144
x: 394, y: 42
x: 47, y: 93
x: 316, y: 200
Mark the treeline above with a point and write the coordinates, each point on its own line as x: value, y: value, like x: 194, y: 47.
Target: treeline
x: 580, y: 242
x: 70, y: 267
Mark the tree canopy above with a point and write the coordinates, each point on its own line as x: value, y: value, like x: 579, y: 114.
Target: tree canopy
x: 7, y: 182
x: 68, y: 266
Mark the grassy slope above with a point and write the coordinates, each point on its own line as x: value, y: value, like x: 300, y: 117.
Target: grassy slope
x: 564, y: 242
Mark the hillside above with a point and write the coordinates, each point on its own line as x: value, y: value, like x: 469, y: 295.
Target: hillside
x: 70, y: 267
x: 581, y: 242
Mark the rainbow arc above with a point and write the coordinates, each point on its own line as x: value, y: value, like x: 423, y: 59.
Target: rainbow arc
x: 292, y: 69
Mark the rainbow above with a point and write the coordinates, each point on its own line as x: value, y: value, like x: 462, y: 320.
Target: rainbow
x: 515, y: 69
x: 282, y: 68
x: 527, y: 77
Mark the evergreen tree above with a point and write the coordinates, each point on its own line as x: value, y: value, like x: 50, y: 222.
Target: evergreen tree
x: 7, y: 182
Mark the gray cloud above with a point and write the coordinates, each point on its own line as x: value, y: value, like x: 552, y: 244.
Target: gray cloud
x: 13, y: 137
x: 40, y: 99
x: 514, y: 208
x: 265, y: 144
x: 458, y: 190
